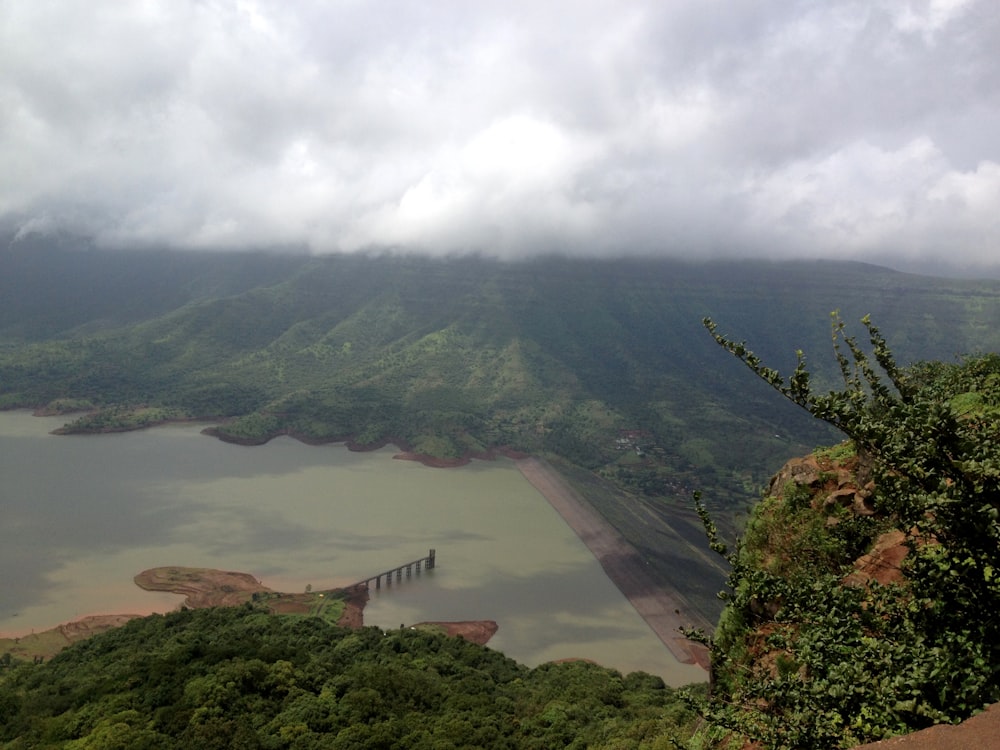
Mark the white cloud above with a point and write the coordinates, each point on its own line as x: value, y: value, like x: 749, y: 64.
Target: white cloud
x: 855, y: 198
x: 864, y: 200
x: 506, y: 127
x: 927, y: 16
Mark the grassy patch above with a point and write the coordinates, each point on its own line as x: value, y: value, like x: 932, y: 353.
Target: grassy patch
x: 836, y: 453
x: 28, y: 647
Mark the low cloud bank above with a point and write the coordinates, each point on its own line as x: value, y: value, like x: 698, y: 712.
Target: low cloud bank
x: 857, y: 129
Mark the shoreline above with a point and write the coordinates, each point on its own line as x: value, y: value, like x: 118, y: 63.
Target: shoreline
x: 142, y: 604
x: 662, y: 610
x: 208, y: 587
x: 405, y: 452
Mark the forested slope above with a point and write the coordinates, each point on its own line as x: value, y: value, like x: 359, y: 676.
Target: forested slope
x: 224, y: 678
x: 601, y: 363
x: 458, y: 355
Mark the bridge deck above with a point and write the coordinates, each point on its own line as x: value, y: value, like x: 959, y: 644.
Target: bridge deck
x: 428, y: 563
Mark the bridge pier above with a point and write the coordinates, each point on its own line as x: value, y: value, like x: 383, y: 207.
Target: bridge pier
x: 424, y: 563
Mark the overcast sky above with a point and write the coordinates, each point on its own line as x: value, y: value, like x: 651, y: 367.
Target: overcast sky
x: 677, y: 127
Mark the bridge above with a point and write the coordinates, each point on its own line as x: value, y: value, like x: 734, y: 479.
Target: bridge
x: 427, y: 563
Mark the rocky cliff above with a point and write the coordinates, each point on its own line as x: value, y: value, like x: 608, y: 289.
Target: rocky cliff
x: 816, y: 622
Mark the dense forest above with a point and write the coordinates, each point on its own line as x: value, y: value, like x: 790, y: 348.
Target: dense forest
x: 236, y: 677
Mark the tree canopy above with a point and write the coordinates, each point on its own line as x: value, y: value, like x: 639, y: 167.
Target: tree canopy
x: 237, y: 677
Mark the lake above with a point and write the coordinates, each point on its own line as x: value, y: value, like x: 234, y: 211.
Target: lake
x: 81, y: 515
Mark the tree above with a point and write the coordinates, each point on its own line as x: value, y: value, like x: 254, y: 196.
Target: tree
x: 850, y: 663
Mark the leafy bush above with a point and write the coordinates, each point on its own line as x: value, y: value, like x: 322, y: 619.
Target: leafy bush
x: 804, y: 659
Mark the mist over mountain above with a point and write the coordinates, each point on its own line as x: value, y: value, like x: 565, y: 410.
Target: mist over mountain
x: 458, y: 355
x: 859, y: 130
x: 482, y: 229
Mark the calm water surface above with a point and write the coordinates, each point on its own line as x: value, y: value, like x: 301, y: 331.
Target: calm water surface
x: 81, y: 515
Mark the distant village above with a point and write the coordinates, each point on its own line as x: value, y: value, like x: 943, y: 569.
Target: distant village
x: 640, y: 443
x: 637, y: 441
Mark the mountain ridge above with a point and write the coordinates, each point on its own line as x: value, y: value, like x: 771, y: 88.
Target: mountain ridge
x: 602, y: 363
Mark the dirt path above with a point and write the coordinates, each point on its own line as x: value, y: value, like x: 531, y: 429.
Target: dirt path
x: 664, y: 611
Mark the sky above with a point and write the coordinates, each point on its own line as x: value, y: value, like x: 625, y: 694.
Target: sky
x: 706, y: 128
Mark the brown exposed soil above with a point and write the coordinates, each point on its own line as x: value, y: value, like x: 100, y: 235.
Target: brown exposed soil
x: 85, y: 627
x: 355, y: 601
x: 207, y: 587
x: 981, y: 732
x: 203, y: 587
x: 883, y: 563
x: 448, y: 463
x: 405, y: 454
x: 48, y: 643
x: 474, y: 631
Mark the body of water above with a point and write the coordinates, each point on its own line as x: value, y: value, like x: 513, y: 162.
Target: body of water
x: 81, y: 515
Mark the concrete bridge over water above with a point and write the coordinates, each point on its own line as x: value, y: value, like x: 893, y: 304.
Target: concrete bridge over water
x: 425, y: 563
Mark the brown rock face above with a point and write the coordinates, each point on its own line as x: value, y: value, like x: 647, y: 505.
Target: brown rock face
x: 845, y: 481
x: 981, y: 732
x: 802, y: 471
x: 882, y: 563
x: 838, y: 489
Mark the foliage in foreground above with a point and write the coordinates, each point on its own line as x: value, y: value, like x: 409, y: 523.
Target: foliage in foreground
x: 803, y: 658
x: 241, y: 678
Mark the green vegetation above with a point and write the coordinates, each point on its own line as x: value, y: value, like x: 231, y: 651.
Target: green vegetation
x: 810, y: 652
x: 839, y: 452
x: 121, y: 418
x: 602, y: 364
x: 237, y: 677
x: 451, y: 357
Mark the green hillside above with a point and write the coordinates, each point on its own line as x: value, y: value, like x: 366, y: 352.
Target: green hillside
x: 459, y: 355
x: 606, y: 368
x: 226, y: 678
x: 601, y: 365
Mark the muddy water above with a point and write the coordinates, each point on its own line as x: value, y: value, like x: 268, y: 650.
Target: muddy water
x: 79, y: 516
